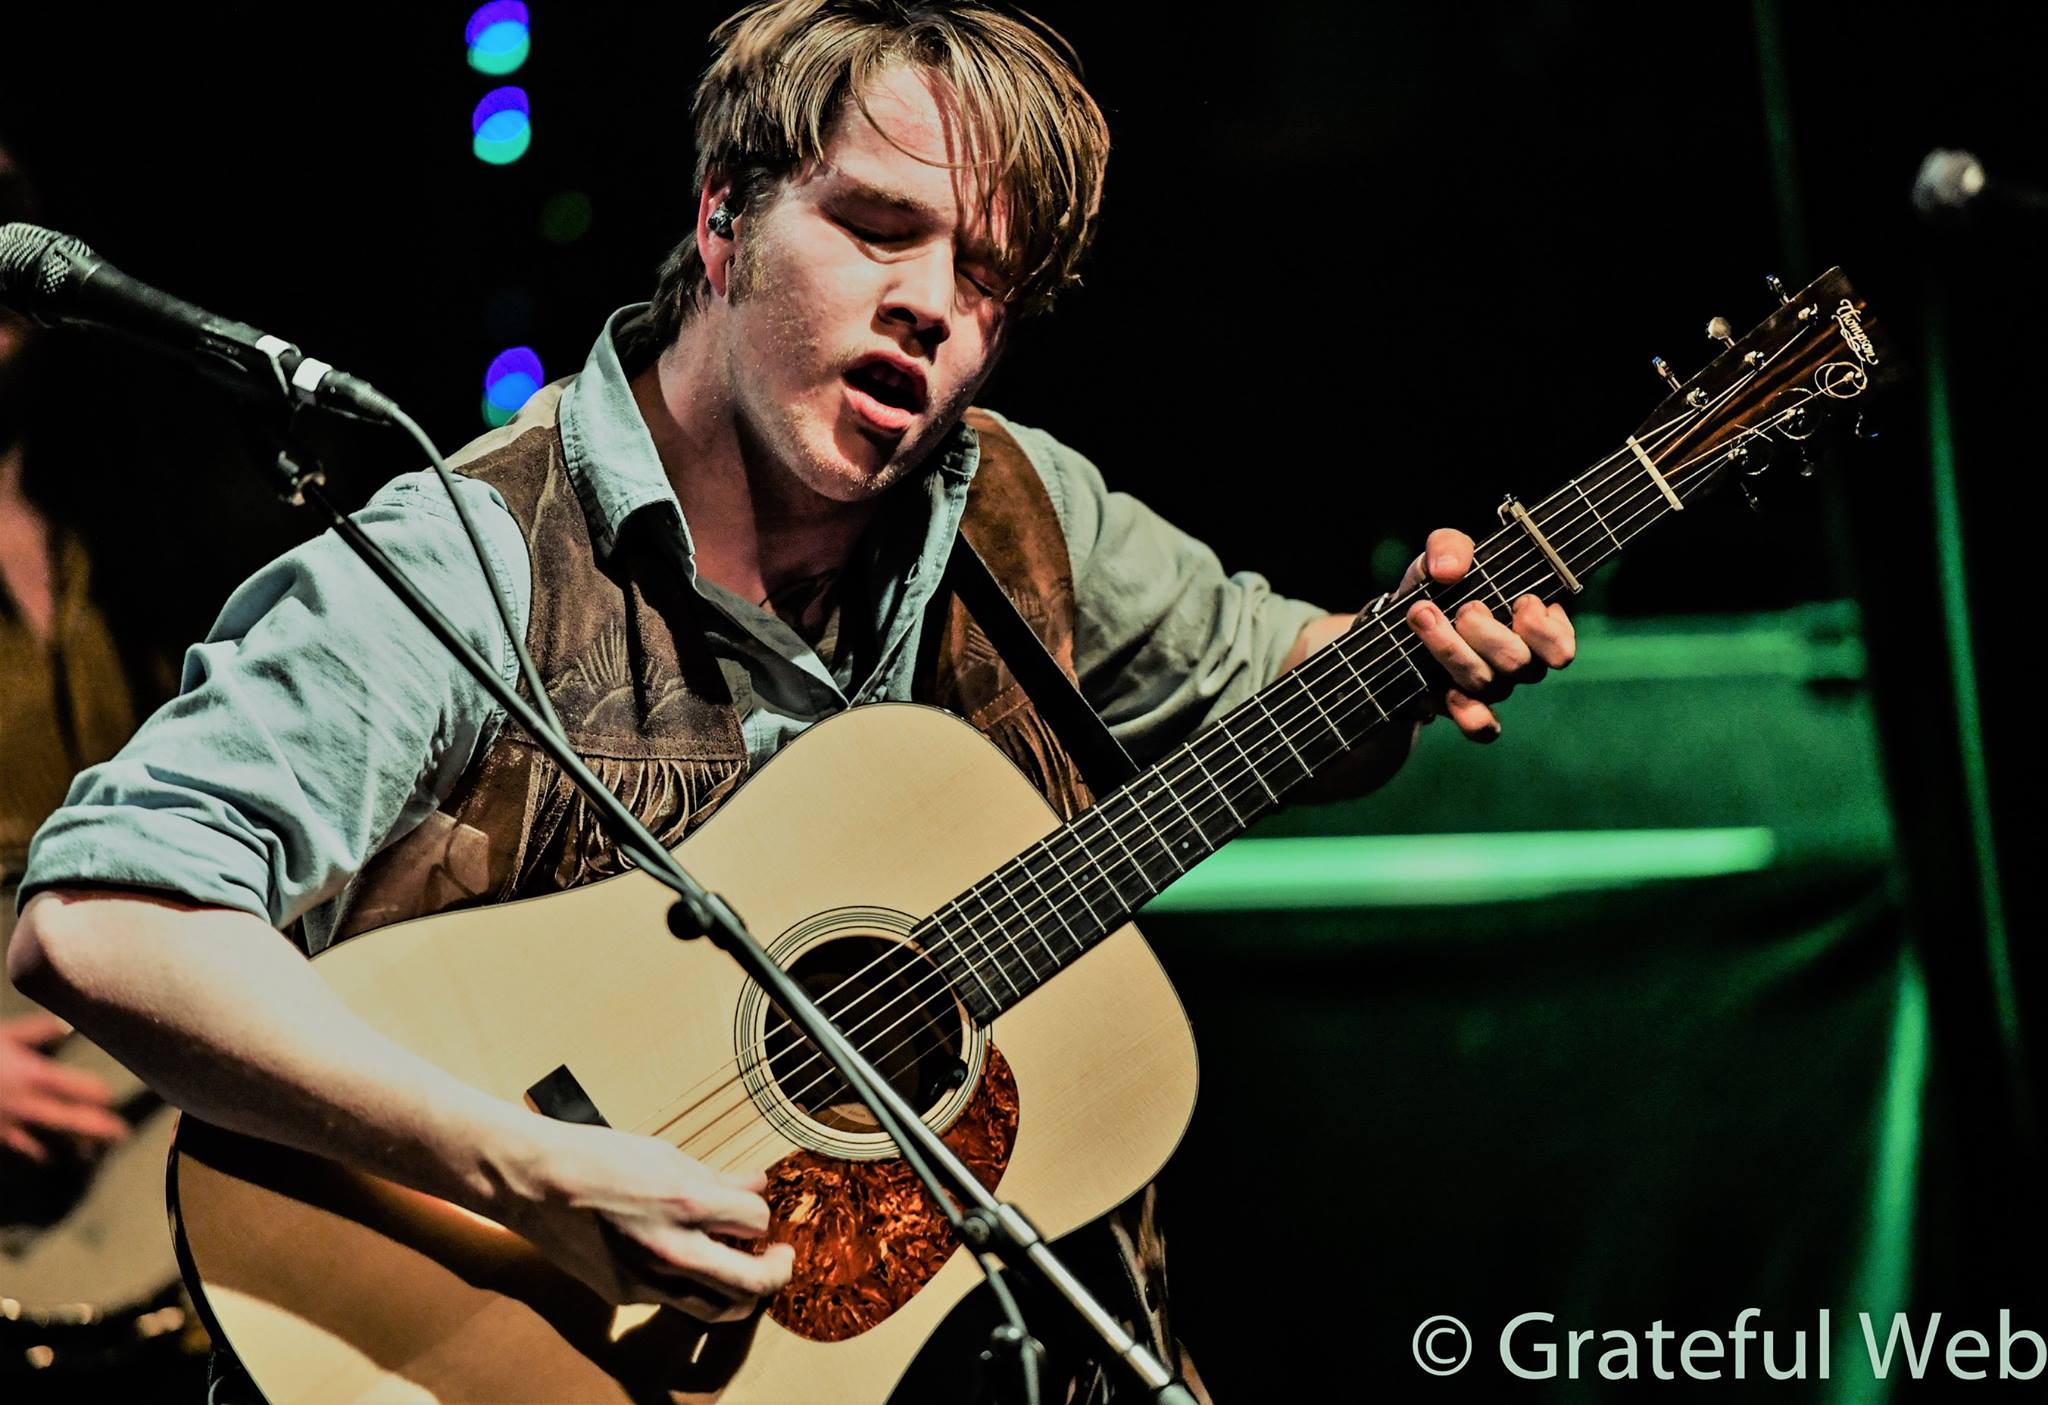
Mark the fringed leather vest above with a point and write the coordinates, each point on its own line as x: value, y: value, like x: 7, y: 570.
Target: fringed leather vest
x: 644, y: 704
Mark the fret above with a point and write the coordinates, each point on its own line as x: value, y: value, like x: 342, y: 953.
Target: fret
x: 1343, y: 742
x: 1596, y: 514
x: 1093, y: 917
x: 1401, y: 649
x: 1214, y: 785
x: 1028, y: 921
x: 1250, y: 765
x: 961, y: 960
x: 970, y: 928
x: 1138, y: 804
x: 1281, y: 732
x: 1358, y: 678
x: 1493, y: 585
x: 997, y: 923
x: 1109, y: 824
x: 1193, y: 823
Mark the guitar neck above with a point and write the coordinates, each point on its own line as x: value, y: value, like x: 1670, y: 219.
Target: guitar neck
x: 1021, y: 925
x: 1776, y: 390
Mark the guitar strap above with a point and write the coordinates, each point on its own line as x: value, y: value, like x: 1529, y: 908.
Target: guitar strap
x: 1102, y: 760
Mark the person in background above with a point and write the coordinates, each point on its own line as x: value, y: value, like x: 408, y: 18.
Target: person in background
x: 65, y: 704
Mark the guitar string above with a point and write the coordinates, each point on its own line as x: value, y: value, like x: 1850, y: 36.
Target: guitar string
x: 1601, y: 478
x: 933, y: 983
x: 1269, y: 751
x: 669, y: 1115
x: 1601, y: 475
x: 1515, y: 562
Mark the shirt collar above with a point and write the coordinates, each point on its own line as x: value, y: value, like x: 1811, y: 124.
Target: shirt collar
x: 611, y: 458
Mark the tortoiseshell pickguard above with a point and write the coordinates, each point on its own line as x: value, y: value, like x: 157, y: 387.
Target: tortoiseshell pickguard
x: 867, y: 1234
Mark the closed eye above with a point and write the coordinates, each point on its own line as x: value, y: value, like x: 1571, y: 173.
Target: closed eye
x: 983, y: 285
x: 869, y: 236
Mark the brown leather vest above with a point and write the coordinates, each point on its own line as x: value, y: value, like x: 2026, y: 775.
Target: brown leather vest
x: 645, y: 706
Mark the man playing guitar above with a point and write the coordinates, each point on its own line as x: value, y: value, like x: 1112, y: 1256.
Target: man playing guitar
x: 883, y: 188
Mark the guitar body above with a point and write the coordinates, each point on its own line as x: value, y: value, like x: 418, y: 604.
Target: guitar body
x: 332, y: 1286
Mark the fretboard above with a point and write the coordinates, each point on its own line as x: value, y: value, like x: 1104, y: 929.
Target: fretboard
x: 1008, y: 934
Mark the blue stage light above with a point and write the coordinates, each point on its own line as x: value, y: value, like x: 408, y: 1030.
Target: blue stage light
x: 512, y: 378
x: 489, y: 16
x: 501, y: 126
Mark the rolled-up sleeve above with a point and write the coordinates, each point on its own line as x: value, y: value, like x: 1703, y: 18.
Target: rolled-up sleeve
x: 317, y: 723
x: 1164, y: 639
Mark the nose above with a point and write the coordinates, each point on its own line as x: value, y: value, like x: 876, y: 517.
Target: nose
x: 921, y: 299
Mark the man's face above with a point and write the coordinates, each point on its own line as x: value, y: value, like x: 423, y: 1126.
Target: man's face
x: 862, y: 313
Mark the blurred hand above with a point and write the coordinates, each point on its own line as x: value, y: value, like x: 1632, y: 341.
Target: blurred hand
x: 633, y: 1218
x: 1484, y: 658
x: 40, y: 1099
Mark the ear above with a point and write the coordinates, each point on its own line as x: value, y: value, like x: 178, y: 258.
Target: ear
x: 715, y: 250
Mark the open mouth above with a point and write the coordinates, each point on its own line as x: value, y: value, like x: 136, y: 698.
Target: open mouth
x: 884, y: 394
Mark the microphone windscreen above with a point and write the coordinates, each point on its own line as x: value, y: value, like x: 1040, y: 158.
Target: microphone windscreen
x: 28, y: 273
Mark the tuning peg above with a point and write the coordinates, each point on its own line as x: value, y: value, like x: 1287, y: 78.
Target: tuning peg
x: 1663, y: 368
x: 1749, y: 495
x: 1718, y: 329
x: 1777, y: 286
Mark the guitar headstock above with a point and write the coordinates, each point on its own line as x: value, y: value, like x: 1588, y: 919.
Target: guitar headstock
x: 1798, y: 380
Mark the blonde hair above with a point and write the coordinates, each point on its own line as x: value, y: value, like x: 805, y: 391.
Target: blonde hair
x: 782, y: 71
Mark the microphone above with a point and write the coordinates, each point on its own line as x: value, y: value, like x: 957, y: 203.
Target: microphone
x: 55, y: 280
x: 1952, y: 184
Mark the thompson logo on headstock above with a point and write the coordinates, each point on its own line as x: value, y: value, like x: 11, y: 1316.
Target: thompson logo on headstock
x: 1853, y: 333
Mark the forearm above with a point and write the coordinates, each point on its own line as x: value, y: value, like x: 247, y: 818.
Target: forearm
x: 1374, y: 761
x: 224, y: 1018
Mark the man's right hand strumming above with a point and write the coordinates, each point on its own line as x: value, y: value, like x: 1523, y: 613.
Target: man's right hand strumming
x: 224, y: 1017
x: 633, y: 1218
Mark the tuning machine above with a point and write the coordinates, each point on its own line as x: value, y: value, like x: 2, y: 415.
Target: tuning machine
x: 1721, y: 330
x: 1694, y: 397
x: 1751, y: 457
x: 1777, y: 287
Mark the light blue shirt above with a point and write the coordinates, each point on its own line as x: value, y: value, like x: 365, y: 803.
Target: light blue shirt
x: 319, y: 722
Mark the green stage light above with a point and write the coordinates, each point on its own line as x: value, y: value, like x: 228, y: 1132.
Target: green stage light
x: 1430, y: 870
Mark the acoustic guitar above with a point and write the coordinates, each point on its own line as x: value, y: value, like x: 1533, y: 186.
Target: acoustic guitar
x: 978, y: 949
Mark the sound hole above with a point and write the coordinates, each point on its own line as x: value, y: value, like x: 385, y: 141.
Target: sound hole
x: 894, y: 1006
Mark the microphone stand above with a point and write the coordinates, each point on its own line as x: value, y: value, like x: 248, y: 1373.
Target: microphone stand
x: 992, y: 1230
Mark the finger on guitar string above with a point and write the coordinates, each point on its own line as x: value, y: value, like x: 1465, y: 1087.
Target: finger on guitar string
x: 1547, y: 630
x: 1507, y: 654
x: 1433, y: 627
x: 634, y: 1219
x: 695, y: 1273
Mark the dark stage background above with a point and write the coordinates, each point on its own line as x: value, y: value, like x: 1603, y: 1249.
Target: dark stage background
x: 1363, y: 269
